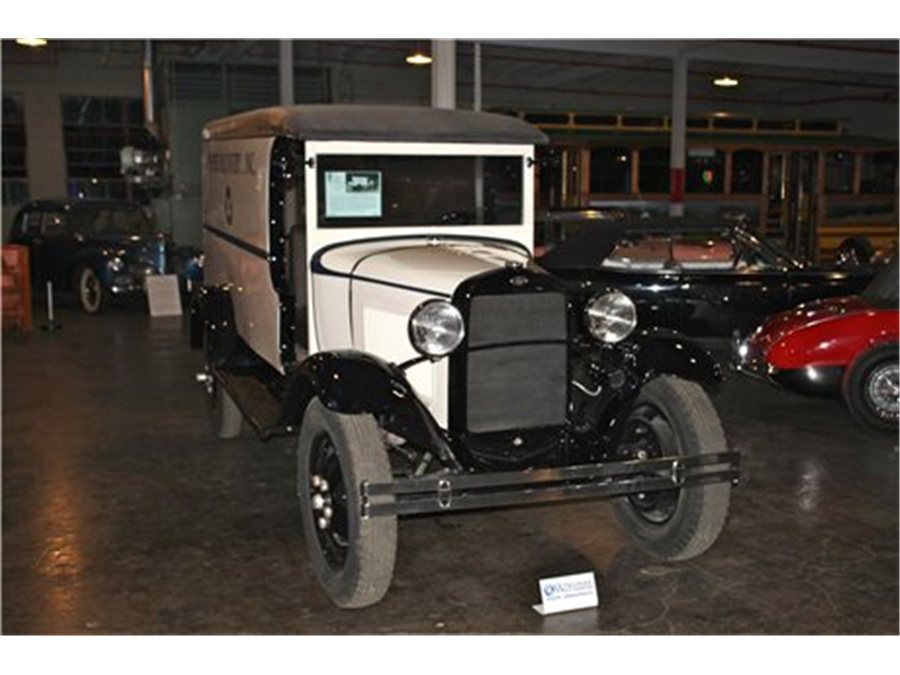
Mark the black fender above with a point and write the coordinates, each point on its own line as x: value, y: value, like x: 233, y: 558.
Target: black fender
x: 664, y: 352
x: 356, y: 383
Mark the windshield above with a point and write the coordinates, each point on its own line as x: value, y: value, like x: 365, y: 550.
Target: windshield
x: 111, y: 221
x: 393, y: 190
x: 777, y: 256
x: 882, y: 290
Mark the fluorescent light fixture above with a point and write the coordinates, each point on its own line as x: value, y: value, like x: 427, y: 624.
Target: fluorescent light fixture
x: 721, y: 114
x: 31, y: 42
x: 418, y: 59
x: 725, y: 81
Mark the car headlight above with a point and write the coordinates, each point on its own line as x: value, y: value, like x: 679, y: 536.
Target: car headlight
x: 436, y: 328
x: 611, y: 317
x: 116, y: 264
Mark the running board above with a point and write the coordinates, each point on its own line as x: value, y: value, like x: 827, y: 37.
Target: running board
x: 429, y: 494
x: 259, y: 406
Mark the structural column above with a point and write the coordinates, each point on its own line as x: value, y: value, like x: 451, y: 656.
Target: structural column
x: 679, y: 134
x: 443, y: 74
x: 286, y: 72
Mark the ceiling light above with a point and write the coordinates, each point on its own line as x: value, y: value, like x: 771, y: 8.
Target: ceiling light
x: 725, y: 81
x: 31, y: 42
x: 719, y: 114
x: 418, y: 59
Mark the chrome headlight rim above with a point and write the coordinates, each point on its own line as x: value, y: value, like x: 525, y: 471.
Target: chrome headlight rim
x: 610, y: 317
x: 420, y: 313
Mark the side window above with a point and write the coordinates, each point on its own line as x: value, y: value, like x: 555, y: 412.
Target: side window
x: 703, y: 252
x: 641, y: 254
x: 53, y: 223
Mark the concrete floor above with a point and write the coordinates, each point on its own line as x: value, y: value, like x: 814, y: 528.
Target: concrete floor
x: 122, y: 515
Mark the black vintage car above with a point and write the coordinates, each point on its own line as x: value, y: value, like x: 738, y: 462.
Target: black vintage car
x: 99, y: 249
x: 708, y: 279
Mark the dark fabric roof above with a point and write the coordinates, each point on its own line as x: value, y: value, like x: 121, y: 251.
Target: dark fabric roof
x: 376, y: 123
x: 590, y: 247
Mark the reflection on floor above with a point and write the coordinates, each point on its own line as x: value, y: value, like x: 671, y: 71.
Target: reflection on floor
x: 122, y: 515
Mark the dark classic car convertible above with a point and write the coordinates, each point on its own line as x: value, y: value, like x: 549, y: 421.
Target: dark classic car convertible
x: 707, y: 279
x: 99, y: 249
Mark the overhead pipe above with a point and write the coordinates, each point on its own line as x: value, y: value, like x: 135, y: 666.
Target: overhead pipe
x: 149, y: 101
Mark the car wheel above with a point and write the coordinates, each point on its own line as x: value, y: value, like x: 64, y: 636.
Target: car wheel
x: 352, y: 557
x: 673, y: 417
x: 871, y: 388
x: 92, y: 296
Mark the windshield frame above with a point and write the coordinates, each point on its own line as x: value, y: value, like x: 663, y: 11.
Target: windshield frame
x: 318, y: 236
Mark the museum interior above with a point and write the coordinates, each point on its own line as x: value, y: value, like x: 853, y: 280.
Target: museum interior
x: 450, y: 336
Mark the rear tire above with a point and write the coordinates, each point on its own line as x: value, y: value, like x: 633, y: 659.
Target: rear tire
x: 672, y: 416
x: 870, y: 388
x: 353, y: 558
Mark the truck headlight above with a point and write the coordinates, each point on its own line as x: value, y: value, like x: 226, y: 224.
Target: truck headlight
x: 611, y: 317
x: 436, y: 328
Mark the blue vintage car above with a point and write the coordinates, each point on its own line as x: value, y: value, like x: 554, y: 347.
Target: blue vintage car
x: 100, y: 249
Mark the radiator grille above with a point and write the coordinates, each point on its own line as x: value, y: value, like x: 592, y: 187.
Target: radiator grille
x: 516, y: 371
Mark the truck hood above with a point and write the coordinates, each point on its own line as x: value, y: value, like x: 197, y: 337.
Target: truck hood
x: 435, y: 265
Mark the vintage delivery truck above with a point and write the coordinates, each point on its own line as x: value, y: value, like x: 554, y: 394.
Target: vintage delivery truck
x: 370, y: 289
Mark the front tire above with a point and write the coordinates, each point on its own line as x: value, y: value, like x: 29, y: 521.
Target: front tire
x: 870, y: 388
x: 92, y: 296
x: 353, y: 558
x: 672, y: 416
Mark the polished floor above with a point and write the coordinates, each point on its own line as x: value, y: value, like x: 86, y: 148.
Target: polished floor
x: 121, y: 515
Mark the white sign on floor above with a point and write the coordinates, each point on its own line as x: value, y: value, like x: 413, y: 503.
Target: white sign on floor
x: 564, y: 594
x: 163, y: 295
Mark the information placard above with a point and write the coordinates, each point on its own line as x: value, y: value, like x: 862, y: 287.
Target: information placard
x: 162, y: 295
x: 564, y: 594
x: 352, y: 194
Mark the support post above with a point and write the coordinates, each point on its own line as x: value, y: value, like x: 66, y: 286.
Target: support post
x: 286, y: 72
x: 678, y: 137
x: 476, y: 78
x: 443, y: 74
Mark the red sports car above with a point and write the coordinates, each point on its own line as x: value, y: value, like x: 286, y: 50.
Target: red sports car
x: 839, y: 346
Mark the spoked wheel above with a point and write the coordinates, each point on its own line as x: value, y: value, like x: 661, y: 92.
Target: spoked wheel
x: 92, y: 297
x: 352, y: 557
x: 871, y: 388
x: 673, y: 417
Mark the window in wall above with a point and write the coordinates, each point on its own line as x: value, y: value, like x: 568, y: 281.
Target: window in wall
x: 610, y: 170
x: 95, y: 130
x: 705, y: 171
x: 654, y: 171
x: 839, y: 172
x: 879, y: 173
x: 15, y: 174
x: 746, y: 172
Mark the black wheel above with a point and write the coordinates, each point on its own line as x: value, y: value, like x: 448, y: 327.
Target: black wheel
x: 92, y: 296
x: 871, y: 388
x: 673, y: 417
x: 353, y: 558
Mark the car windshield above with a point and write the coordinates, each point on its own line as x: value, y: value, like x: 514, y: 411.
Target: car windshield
x: 395, y: 190
x: 772, y: 253
x: 882, y: 290
x: 111, y: 221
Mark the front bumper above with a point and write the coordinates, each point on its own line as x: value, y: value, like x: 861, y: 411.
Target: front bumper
x: 749, y: 359
x: 451, y: 492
